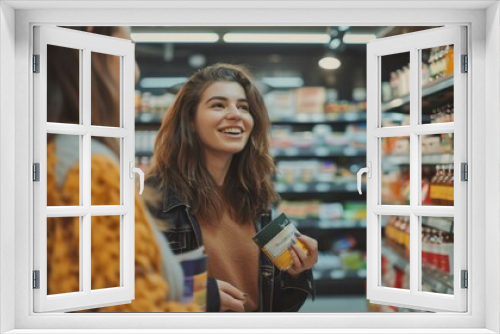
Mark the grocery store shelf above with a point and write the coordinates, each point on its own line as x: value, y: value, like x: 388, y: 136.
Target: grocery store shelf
x: 427, y: 90
x: 395, y: 256
x: 320, y: 151
x: 145, y: 118
x: 427, y: 159
x: 346, y: 117
x: 338, y: 274
x: 318, y: 187
x: 328, y: 224
x: 439, y: 281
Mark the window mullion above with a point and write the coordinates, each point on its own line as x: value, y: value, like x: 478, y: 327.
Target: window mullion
x: 415, y: 182
x: 86, y: 169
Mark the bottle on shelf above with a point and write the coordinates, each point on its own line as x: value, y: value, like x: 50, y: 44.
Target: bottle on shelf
x: 451, y: 186
x: 434, y: 193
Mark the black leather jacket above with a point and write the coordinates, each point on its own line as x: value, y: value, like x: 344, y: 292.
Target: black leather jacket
x: 278, y: 291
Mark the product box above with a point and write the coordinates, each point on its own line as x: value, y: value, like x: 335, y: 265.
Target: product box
x: 194, y: 266
x: 276, y: 238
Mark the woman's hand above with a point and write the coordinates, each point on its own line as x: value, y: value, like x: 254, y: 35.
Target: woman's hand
x: 231, y: 298
x: 302, y: 260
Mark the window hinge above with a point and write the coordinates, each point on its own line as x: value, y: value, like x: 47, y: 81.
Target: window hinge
x: 465, y: 64
x: 464, y: 172
x: 36, y: 63
x: 36, y: 279
x: 36, y: 172
x: 465, y: 279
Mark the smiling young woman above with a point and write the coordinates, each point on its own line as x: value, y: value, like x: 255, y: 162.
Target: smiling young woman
x: 211, y: 185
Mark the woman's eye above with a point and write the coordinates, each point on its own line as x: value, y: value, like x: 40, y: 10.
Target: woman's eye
x: 218, y: 106
x: 244, y: 107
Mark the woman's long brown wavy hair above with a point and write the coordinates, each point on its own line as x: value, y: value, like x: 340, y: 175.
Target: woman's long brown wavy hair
x: 178, y: 154
x: 63, y: 88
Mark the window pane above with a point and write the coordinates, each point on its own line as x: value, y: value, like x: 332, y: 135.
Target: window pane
x: 395, y: 89
x: 395, y: 252
x: 437, y: 85
x: 63, y: 170
x: 395, y: 171
x: 105, y: 258
x: 63, y: 85
x: 437, y: 254
x: 105, y: 170
x: 63, y: 255
x: 105, y: 91
x: 437, y: 170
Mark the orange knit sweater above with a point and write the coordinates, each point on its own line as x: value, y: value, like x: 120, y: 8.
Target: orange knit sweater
x: 151, y: 289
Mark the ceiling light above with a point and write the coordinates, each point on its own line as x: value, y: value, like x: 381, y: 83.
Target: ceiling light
x: 162, y: 82
x: 290, y: 38
x: 175, y: 37
x: 358, y: 38
x: 329, y: 63
x: 283, y: 82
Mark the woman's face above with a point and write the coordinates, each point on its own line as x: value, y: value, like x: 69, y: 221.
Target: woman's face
x: 223, y: 121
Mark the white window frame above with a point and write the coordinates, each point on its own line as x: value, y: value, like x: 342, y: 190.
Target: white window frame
x: 85, y: 43
x: 483, y: 21
x: 413, y: 44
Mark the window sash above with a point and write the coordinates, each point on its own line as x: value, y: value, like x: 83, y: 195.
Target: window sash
x: 413, y: 43
x: 87, y: 43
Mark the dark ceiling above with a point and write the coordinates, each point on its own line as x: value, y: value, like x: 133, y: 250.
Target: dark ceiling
x: 265, y: 60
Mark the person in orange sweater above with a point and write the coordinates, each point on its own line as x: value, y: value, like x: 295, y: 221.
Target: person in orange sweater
x: 158, y: 276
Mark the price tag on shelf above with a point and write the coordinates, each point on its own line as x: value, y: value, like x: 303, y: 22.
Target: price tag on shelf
x: 361, y: 273
x: 280, y: 187
x: 349, y: 223
x: 299, y: 187
x: 291, y: 151
x: 317, y: 117
x: 322, y: 187
x: 337, y: 274
x: 303, y: 117
x: 145, y: 117
x: 351, y: 186
x: 321, y: 151
x: 350, y: 151
x: 350, y: 116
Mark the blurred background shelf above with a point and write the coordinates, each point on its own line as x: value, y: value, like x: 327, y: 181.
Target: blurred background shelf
x: 315, y: 152
x: 427, y: 90
x: 319, y: 187
x: 322, y: 118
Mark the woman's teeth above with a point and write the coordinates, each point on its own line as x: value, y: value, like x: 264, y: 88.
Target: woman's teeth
x: 232, y: 131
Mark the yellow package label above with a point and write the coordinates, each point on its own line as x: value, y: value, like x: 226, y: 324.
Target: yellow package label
x: 277, y: 248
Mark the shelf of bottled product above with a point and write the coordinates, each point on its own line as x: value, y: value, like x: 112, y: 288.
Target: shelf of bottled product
x: 428, y: 89
x: 319, y: 151
x: 427, y: 159
x: 322, y: 118
x: 150, y: 118
x: 437, y: 280
x: 319, y: 187
x: 324, y: 224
